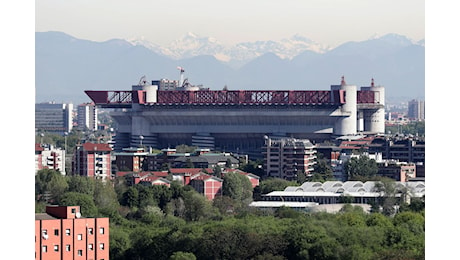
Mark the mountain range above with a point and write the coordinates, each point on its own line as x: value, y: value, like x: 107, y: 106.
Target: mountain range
x: 65, y: 66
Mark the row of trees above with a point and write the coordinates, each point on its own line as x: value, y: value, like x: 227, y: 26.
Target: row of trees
x: 157, y: 222
x: 286, y: 234
x: 413, y: 128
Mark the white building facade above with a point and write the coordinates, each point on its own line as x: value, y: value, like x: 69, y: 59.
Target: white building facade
x: 49, y: 157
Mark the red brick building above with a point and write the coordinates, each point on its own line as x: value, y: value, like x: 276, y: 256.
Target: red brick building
x: 208, y: 185
x: 254, y: 179
x: 93, y: 160
x: 61, y: 233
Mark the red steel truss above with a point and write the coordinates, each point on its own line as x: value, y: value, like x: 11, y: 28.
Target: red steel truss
x: 317, y: 97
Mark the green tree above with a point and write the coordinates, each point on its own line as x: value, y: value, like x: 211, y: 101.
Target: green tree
x: 81, y: 184
x: 387, y: 200
x: 378, y: 220
x: 197, y: 207
x: 275, y: 184
x: 182, y: 256
x: 310, y: 241
x: 217, y: 171
x: 287, y: 212
x: 161, y: 194
x: 416, y: 205
x: 176, y: 207
x: 361, y: 169
x: 146, y: 196
x: 40, y: 207
x: 85, y: 201
x: 105, y: 198
x: 50, y: 185
x: 119, y: 242
x: 224, y: 204
x: 228, y: 163
x: 322, y: 171
x: 301, y: 177
x: 237, y: 187
x: 131, y: 198
x: 254, y: 167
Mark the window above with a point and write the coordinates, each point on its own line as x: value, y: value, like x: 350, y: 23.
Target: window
x: 80, y: 252
x: 45, y: 234
x: 44, y: 249
x: 79, y: 237
x: 73, y: 211
x: 56, y: 248
x: 101, y: 230
x: 56, y: 232
x: 90, y: 231
x: 101, y: 246
x: 67, y: 232
x: 90, y: 246
x: 67, y: 248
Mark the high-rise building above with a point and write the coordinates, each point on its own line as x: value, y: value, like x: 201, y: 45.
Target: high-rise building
x: 416, y: 110
x: 62, y: 233
x: 53, y: 117
x: 286, y: 157
x: 87, y: 116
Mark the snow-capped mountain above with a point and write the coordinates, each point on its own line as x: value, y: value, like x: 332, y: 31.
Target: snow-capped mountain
x: 66, y: 66
x: 192, y: 45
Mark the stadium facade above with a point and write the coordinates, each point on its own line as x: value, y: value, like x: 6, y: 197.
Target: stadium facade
x: 160, y: 116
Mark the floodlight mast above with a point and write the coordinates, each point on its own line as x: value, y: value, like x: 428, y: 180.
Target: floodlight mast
x: 181, y: 76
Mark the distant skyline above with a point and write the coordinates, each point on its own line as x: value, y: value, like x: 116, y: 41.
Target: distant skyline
x: 327, y: 22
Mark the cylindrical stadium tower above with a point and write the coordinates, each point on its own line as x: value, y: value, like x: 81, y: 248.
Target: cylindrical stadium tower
x: 347, y: 125
x: 374, y: 119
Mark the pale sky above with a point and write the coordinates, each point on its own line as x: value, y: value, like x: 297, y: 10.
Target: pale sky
x: 328, y: 22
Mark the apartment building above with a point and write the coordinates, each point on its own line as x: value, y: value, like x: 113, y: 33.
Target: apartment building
x: 93, y: 160
x: 130, y: 159
x: 62, y: 233
x: 137, y: 159
x: 286, y: 157
x: 49, y: 157
x: 403, y: 149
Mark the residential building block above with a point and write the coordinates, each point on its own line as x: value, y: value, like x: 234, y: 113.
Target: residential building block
x: 62, y: 233
x: 93, y: 160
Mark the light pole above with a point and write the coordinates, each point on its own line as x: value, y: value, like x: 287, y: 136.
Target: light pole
x: 142, y: 138
x: 65, y: 141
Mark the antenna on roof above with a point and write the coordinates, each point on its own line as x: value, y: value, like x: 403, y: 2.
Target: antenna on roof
x: 143, y: 80
x: 343, y: 83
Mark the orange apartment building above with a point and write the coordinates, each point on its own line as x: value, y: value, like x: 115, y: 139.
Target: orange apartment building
x: 61, y: 233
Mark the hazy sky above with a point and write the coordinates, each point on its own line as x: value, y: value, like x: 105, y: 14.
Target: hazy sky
x: 329, y: 22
